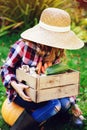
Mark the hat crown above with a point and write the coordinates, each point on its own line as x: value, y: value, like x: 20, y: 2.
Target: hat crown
x: 55, y: 17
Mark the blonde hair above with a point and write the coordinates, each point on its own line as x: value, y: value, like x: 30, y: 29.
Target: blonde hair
x: 55, y: 53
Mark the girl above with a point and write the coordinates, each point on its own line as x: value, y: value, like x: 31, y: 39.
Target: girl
x: 43, y: 43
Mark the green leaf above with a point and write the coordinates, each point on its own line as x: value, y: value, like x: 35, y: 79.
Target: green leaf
x: 3, y: 33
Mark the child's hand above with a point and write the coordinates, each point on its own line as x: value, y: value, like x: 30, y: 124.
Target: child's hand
x: 20, y: 88
x: 76, y: 111
x: 20, y: 91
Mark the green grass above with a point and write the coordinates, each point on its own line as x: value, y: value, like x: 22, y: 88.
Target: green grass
x: 77, y: 60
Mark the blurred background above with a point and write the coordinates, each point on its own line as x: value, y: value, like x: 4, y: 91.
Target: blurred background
x: 19, y: 15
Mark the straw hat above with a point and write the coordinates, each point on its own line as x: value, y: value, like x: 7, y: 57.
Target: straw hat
x: 53, y: 30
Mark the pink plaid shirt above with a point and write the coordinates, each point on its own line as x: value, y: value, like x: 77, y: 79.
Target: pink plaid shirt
x: 20, y: 54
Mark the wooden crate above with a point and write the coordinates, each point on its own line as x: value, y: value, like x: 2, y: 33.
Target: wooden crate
x: 43, y: 88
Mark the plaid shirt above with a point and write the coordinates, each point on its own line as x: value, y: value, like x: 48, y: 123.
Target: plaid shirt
x: 21, y: 53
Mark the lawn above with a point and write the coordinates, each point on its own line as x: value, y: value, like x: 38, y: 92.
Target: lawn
x: 77, y: 60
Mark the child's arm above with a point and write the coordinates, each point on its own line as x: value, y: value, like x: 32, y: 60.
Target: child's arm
x: 8, y: 70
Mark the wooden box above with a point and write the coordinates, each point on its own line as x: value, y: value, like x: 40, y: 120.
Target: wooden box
x: 43, y: 88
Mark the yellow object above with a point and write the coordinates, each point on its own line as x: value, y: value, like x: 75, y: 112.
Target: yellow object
x: 10, y: 112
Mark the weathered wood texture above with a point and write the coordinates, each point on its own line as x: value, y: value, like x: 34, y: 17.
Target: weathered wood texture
x: 43, y: 88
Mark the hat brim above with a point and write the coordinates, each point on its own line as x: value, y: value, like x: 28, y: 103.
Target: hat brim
x: 64, y: 40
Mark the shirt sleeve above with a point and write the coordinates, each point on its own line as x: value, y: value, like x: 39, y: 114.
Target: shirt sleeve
x: 8, y: 70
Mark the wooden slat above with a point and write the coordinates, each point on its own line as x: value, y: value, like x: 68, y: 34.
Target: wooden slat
x: 58, y: 92
x: 59, y: 80
x: 53, y: 93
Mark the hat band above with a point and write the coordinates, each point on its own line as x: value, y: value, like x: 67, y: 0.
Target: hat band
x: 54, y: 28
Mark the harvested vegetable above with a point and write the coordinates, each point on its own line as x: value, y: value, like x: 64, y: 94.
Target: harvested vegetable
x: 56, y: 69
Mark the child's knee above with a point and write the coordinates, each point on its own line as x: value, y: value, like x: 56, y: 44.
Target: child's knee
x: 67, y: 105
x: 56, y: 104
